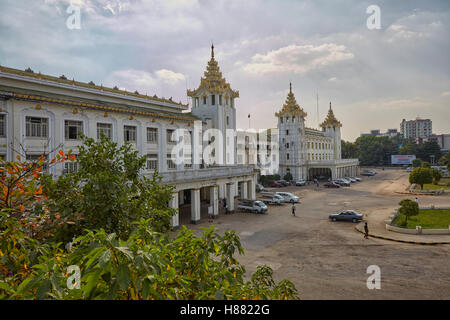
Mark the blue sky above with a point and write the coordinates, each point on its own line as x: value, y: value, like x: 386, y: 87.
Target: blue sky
x: 374, y: 78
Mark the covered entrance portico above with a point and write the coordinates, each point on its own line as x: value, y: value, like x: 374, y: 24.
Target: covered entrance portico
x: 196, y: 194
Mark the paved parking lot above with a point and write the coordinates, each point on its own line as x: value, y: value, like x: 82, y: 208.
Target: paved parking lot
x: 328, y: 260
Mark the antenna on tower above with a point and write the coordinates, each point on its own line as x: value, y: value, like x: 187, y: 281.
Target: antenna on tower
x: 318, y: 120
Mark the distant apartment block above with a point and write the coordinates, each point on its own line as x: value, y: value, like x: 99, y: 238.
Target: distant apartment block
x: 377, y: 133
x: 414, y: 129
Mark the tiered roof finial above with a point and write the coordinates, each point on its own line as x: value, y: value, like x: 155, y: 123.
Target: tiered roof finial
x: 330, y: 120
x: 213, y: 81
x: 291, y: 106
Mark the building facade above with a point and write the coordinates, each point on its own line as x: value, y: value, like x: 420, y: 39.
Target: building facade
x: 309, y: 153
x: 377, y: 133
x: 416, y: 129
x: 41, y: 114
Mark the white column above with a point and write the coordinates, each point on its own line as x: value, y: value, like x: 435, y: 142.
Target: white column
x: 174, y: 205
x: 214, y: 199
x: 195, y: 205
x: 181, y: 197
x: 230, y: 196
x: 244, y: 192
x: 251, y: 189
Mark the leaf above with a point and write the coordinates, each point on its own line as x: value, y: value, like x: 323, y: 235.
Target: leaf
x: 105, y: 258
x: 125, y: 251
x: 42, y: 291
x: 123, y: 276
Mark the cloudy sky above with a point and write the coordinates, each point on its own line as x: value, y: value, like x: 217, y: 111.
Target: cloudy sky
x: 374, y: 78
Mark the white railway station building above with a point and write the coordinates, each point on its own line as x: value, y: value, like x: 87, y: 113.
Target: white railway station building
x: 41, y: 114
x: 309, y: 153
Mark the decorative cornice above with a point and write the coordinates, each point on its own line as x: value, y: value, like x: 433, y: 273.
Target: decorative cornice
x: 81, y: 105
x: 63, y: 80
x: 291, y: 106
x: 330, y: 120
x: 213, y: 81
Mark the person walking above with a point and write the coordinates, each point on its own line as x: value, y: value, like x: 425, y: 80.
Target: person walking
x: 416, y: 201
x: 293, y: 209
x: 225, y: 205
x: 366, y: 231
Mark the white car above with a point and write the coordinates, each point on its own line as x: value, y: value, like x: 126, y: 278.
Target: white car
x: 289, y: 197
x: 300, y: 182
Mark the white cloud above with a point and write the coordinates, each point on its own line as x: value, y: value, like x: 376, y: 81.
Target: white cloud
x: 332, y: 79
x: 143, y: 81
x: 445, y: 94
x: 298, y: 58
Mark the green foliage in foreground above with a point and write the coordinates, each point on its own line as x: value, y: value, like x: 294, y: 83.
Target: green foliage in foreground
x: 147, y: 265
x: 428, y: 219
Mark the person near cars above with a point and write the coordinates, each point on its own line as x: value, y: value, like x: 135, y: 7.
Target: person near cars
x: 225, y: 205
x: 366, y: 231
x: 293, y: 209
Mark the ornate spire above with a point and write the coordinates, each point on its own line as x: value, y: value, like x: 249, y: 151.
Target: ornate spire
x: 291, y: 106
x: 330, y: 120
x: 213, y: 81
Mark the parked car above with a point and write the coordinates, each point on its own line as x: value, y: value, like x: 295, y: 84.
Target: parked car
x: 255, y: 206
x: 271, y: 199
x: 357, y: 179
x: 368, y: 173
x: 289, y: 197
x: 352, y: 180
x: 284, y: 183
x: 275, y: 184
x: 342, y: 182
x: 331, y: 185
x: 300, y: 182
x: 259, y: 187
x: 409, y: 169
x: 346, y: 215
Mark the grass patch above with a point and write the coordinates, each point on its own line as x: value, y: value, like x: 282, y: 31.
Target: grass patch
x: 428, y: 219
x: 443, y: 184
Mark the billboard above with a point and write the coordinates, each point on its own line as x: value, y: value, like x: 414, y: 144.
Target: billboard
x: 402, y: 159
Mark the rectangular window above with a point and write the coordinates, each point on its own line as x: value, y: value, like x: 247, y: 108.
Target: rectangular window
x: 220, y: 99
x: 287, y: 156
x: 73, y: 129
x: 105, y: 128
x: 152, y: 162
x: 213, y: 99
x: 171, y: 136
x: 70, y: 167
x: 2, y: 125
x: 36, y: 127
x: 228, y: 120
x: 35, y: 158
x: 204, y: 100
x: 287, y: 132
x: 129, y: 134
x: 152, y: 135
x: 170, y: 163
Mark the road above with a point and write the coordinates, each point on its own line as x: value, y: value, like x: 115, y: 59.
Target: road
x: 329, y: 260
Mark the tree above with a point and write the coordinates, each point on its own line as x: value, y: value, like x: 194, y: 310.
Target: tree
x: 108, y: 191
x: 416, y: 163
x: 426, y: 164
x: 408, y: 208
x: 421, y: 176
x: 288, y: 176
x: 436, y: 176
x: 375, y: 150
x: 428, y: 149
x: 444, y: 160
x: 349, y: 150
x: 146, y: 265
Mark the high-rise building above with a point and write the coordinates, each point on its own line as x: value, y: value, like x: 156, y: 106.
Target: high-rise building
x: 414, y: 129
